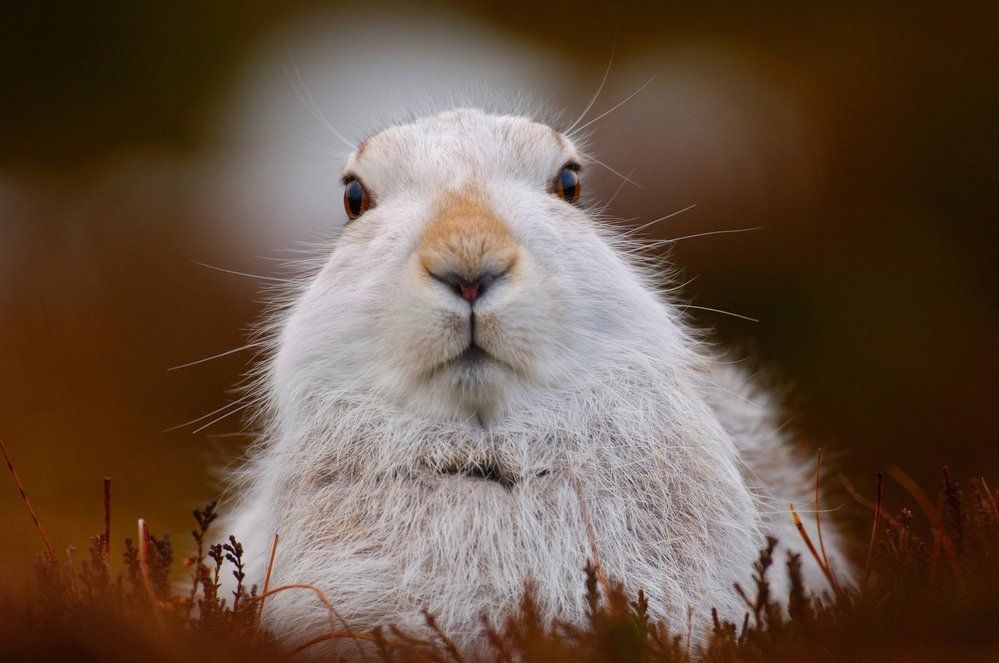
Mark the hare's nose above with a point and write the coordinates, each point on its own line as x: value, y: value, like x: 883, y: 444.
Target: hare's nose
x: 467, y: 247
x: 469, y: 289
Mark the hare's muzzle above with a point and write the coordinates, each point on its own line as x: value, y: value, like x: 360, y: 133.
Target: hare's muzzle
x: 466, y: 247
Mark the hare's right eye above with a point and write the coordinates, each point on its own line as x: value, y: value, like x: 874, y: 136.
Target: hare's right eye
x: 355, y: 199
x: 566, y: 185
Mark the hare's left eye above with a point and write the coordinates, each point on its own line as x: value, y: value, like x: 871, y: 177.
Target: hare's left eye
x: 566, y: 185
x: 355, y: 198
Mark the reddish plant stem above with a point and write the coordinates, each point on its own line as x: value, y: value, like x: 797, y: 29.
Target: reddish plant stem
x: 27, y: 503
x: 879, y: 482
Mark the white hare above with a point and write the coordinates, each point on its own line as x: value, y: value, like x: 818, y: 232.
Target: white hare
x: 481, y: 386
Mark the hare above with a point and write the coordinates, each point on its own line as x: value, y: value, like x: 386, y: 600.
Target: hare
x: 481, y: 387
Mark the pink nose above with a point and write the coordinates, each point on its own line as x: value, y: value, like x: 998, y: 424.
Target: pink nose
x: 469, y: 288
x: 469, y: 291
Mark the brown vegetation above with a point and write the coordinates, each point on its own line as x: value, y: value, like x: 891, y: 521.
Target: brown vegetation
x: 930, y: 590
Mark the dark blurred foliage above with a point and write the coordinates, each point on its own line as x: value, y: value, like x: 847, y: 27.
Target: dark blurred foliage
x: 875, y: 277
x: 928, y: 594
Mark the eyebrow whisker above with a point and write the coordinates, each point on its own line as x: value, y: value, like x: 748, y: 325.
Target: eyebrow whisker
x: 620, y: 186
x: 624, y: 177
x: 302, y: 90
x: 619, y: 104
x: 596, y: 94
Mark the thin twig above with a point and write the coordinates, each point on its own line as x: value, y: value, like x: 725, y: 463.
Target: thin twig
x: 334, y: 635
x: 690, y: 629
x: 855, y: 494
x: 992, y: 498
x: 449, y: 645
x: 818, y: 519
x: 267, y: 583
x: 940, y: 536
x: 591, y: 537
x: 811, y: 548
x: 147, y: 582
x: 107, y: 517
x: 879, y: 483
x: 24, y: 498
x: 326, y: 601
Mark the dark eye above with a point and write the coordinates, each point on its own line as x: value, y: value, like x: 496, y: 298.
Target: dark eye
x: 355, y: 199
x: 567, y: 183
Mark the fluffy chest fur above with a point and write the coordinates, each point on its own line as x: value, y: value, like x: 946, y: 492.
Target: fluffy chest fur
x: 479, y: 388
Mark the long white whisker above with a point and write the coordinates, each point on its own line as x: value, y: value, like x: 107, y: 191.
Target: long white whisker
x: 215, y: 421
x: 590, y: 157
x: 662, y: 218
x: 302, y: 90
x: 619, y: 187
x: 310, y: 146
x: 673, y: 240
x: 729, y: 391
x: 718, y: 310
x: 596, y: 94
x: 619, y: 104
x: 246, y: 274
x: 205, y: 416
x: 218, y: 356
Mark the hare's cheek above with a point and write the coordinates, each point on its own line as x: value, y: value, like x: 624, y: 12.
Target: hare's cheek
x: 418, y: 327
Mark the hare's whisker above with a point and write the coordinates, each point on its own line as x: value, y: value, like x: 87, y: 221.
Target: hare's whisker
x: 619, y: 104
x: 620, y: 186
x: 218, y: 356
x: 673, y: 240
x: 642, y: 227
x: 205, y: 416
x: 246, y: 274
x: 224, y: 416
x: 596, y: 94
x: 624, y: 177
x: 302, y: 90
x: 310, y: 146
x: 718, y: 310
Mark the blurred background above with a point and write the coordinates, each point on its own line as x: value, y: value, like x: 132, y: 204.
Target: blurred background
x: 138, y: 140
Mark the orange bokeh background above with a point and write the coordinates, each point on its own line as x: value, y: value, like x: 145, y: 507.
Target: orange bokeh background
x: 139, y: 141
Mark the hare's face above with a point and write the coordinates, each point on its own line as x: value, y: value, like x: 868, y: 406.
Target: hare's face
x: 467, y: 280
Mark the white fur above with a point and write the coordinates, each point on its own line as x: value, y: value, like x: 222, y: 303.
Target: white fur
x: 602, y: 404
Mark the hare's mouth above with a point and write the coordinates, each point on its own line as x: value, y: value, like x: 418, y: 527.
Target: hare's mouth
x: 491, y: 472
x: 473, y: 357
x: 473, y: 354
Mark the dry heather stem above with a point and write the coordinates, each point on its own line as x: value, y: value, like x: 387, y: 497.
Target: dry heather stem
x: 267, y: 584
x: 940, y: 537
x: 818, y: 508
x: 326, y: 601
x: 992, y: 498
x: 879, y: 488
x: 591, y: 536
x: 863, y: 501
x: 107, y: 517
x: 147, y: 582
x: 815, y: 553
x: 24, y: 498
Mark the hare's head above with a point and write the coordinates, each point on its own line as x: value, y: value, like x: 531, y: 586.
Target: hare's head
x: 468, y: 275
